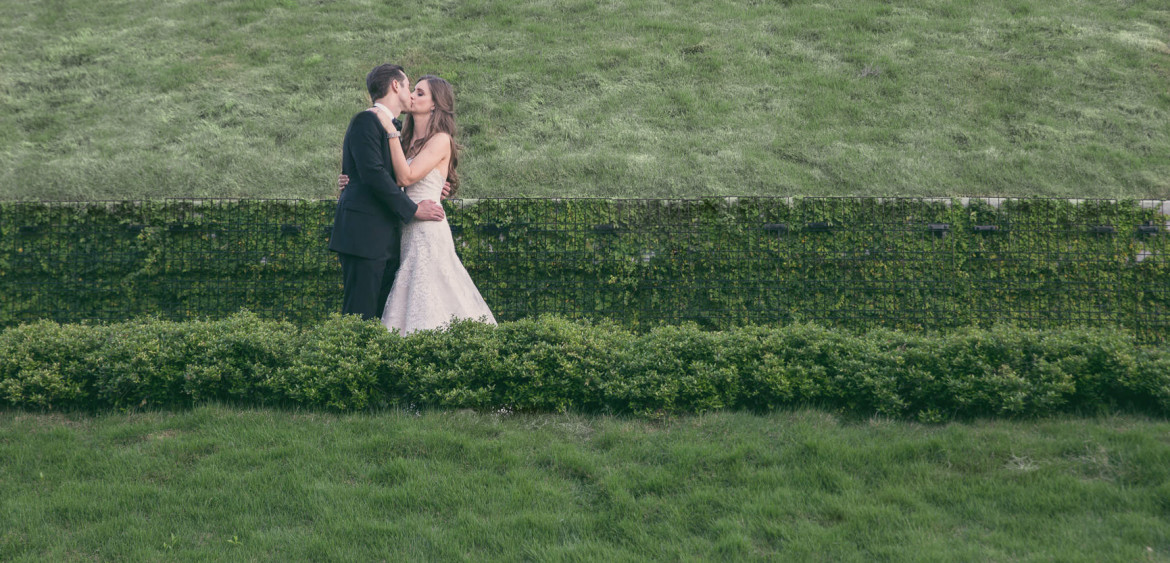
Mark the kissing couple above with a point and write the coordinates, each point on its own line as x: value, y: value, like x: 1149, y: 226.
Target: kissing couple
x: 397, y: 256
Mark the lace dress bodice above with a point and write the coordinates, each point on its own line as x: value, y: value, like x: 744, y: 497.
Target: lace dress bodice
x: 430, y: 187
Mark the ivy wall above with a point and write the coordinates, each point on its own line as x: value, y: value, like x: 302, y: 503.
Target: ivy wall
x: 857, y: 263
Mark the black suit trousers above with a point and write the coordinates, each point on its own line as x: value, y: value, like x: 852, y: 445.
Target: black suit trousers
x: 366, y: 284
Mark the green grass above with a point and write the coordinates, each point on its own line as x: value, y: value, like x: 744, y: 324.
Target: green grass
x: 662, y: 98
x: 228, y: 484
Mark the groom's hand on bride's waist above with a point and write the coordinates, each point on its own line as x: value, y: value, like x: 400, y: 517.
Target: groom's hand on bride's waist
x: 428, y: 211
x: 342, y: 180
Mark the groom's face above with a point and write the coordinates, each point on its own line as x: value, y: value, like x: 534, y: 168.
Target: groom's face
x: 404, y: 92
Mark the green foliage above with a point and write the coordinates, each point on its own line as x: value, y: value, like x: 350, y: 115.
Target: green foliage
x: 144, y: 364
x: 335, y: 365
x: 551, y: 364
x: 673, y: 368
x: 636, y: 262
x: 48, y: 365
x: 548, y: 364
x: 239, y: 358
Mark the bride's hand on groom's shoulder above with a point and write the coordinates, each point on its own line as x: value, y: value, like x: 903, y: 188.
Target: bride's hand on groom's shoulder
x: 386, y: 119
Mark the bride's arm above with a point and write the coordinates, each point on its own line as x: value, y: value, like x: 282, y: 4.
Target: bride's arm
x: 432, y: 154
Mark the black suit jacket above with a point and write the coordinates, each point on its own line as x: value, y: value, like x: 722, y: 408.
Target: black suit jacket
x: 372, y: 208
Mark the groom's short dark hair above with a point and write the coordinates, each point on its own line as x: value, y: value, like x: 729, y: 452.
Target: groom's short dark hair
x: 378, y: 80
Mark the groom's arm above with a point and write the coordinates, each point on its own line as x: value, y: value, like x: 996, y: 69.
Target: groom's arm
x: 373, y: 170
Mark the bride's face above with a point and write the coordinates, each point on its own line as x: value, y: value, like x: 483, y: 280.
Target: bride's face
x: 421, y: 101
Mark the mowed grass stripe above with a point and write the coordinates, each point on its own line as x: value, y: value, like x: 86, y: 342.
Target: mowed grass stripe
x: 138, y: 99
x: 225, y: 483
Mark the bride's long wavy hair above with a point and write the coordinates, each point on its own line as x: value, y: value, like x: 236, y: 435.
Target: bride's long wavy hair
x: 442, y: 120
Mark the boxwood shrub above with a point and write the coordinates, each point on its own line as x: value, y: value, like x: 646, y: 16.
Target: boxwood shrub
x: 553, y: 364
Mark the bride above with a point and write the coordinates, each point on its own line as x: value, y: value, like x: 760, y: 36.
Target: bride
x: 432, y: 287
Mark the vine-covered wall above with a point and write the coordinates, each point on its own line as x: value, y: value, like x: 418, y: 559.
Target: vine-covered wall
x: 851, y: 262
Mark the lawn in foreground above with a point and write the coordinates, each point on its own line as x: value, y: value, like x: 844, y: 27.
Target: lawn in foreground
x: 230, y: 484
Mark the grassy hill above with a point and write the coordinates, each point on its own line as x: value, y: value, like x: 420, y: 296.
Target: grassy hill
x: 624, y: 98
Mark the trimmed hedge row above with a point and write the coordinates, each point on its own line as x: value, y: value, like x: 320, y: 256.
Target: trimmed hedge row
x: 553, y: 364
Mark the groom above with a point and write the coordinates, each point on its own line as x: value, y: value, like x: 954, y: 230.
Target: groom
x: 372, y: 209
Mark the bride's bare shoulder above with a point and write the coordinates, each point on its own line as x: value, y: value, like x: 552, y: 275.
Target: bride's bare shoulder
x: 439, y: 143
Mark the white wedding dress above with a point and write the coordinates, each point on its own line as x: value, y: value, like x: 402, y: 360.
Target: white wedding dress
x: 432, y: 286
